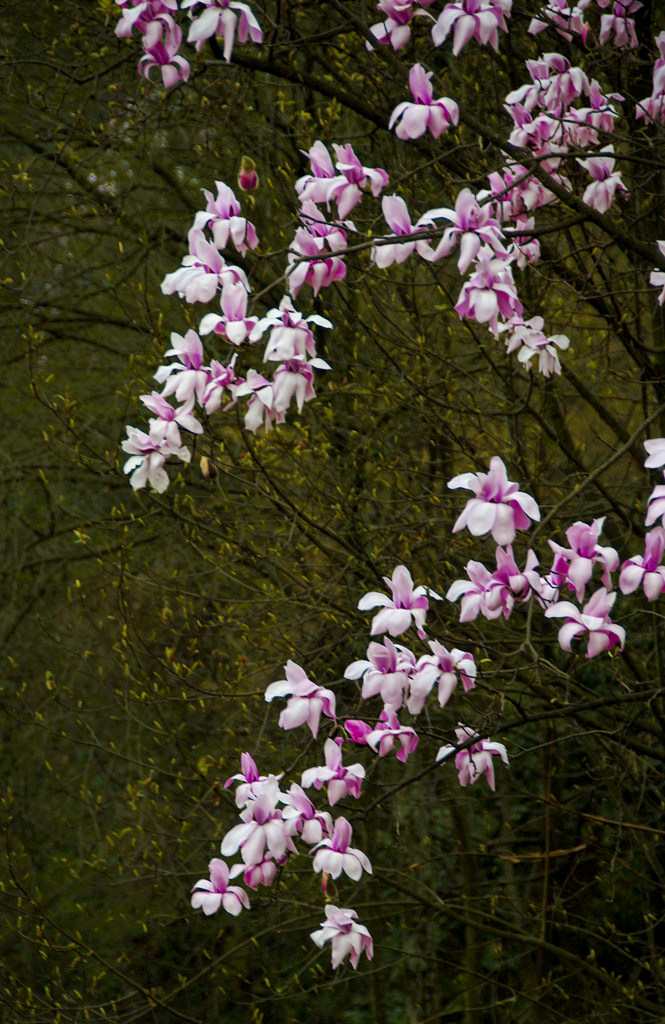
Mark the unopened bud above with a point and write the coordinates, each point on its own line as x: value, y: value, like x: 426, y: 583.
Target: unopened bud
x: 248, y: 179
x: 208, y: 468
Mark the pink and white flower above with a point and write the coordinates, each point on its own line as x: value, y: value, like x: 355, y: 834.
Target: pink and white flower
x: 334, y: 855
x: 408, y: 604
x: 593, y: 619
x: 306, y: 700
x: 211, y: 894
x: 411, y: 120
x: 346, y: 936
x: 499, y: 506
x: 475, y: 760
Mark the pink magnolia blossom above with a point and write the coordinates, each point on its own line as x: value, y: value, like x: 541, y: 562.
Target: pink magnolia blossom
x: 294, y: 379
x: 567, y: 19
x: 593, y: 619
x: 148, y: 453
x: 334, y: 855
x: 472, y: 225
x: 646, y: 570
x: 655, y: 448
x: 346, y: 936
x: 303, y: 817
x: 354, y: 179
x: 161, y: 40
x: 397, y: 217
x: 234, y: 325
x: 653, y: 107
x: 188, y: 378
x: 212, y: 894
x: 172, y: 418
x: 203, y: 271
x: 656, y: 505
x: 618, y: 23
x: 411, y: 120
x: 600, y: 193
x: 314, y: 239
x: 396, y: 29
x: 261, y: 400
x: 357, y: 730
x: 472, y: 19
x: 408, y: 604
x: 386, y: 672
x: 262, y: 827
x: 262, y: 873
x: 490, y: 594
x: 475, y: 760
x: 575, y: 564
x: 251, y: 783
x: 222, y: 217
x: 388, y: 734
x: 222, y: 378
x: 490, y: 292
x: 443, y: 667
x: 306, y: 699
x: 137, y: 14
x: 290, y: 336
x: 223, y: 18
x: 341, y: 780
x: 526, y: 337
x: 499, y: 506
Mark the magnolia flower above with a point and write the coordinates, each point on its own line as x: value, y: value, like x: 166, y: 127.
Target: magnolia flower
x: 593, y: 619
x: 291, y: 336
x: 222, y: 215
x: 303, y: 816
x: 490, y: 292
x: 172, y: 419
x: 387, y: 733
x: 655, y: 448
x: 471, y: 223
x: 397, y: 217
x: 396, y: 30
x: 234, y: 324
x: 209, y: 895
x: 307, y: 700
x: 600, y: 192
x: 161, y: 40
x: 148, y: 453
x: 263, y: 826
x: 346, y: 936
x: 188, y: 378
x: 440, y: 666
x: 386, y: 672
x: 576, y: 563
x: 475, y: 760
x: 223, y: 18
x: 334, y: 855
x: 411, y: 120
x: 498, y: 507
x: 408, y: 603
x: 646, y: 570
x: 472, y: 19
x: 342, y: 781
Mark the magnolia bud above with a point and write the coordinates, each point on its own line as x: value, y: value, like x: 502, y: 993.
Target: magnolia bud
x: 208, y: 468
x: 248, y: 179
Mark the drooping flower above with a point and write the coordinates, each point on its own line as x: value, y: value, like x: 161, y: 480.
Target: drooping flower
x: 443, y: 667
x: 475, y: 760
x: 646, y: 570
x: 408, y: 604
x: 575, y: 564
x: 306, y: 699
x: 334, y: 855
x: 389, y: 734
x: 347, y: 937
x: 411, y: 120
x: 385, y: 673
x: 592, y: 619
x: 223, y: 18
x: 216, y: 892
x: 342, y: 780
x: 499, y: 506
x: 472, y: 19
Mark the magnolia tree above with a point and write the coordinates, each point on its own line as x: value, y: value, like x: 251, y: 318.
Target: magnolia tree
x: 550, y: 224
